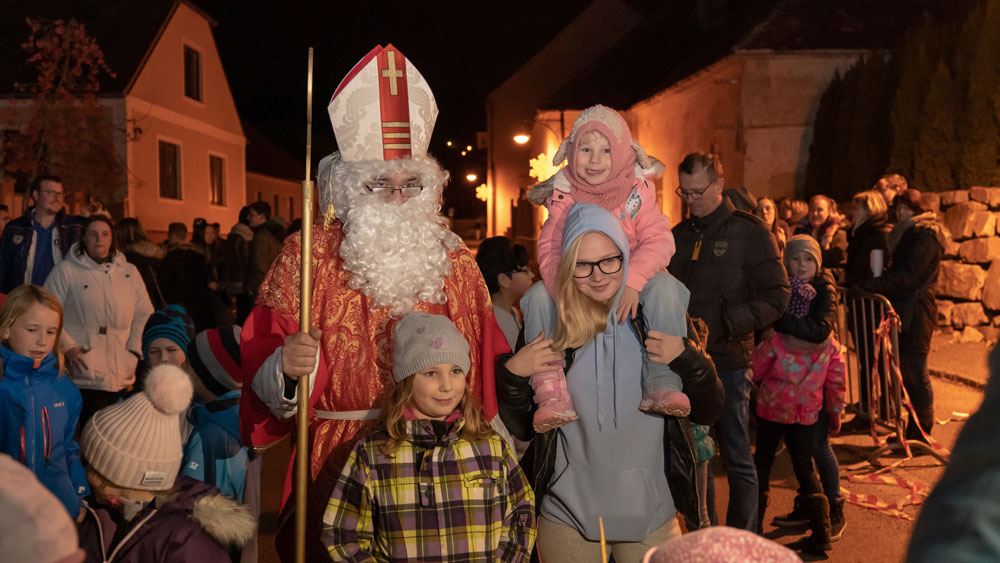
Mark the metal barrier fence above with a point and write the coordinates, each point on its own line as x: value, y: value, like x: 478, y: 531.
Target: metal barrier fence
x: 869, y: 329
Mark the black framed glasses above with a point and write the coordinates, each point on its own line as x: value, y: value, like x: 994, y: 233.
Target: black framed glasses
x: 692, y: 194
x: 382, y: 188
x: 519, y: 269
x: 607, y: 266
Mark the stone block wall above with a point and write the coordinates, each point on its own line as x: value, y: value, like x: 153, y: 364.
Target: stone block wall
x: 968, y: 287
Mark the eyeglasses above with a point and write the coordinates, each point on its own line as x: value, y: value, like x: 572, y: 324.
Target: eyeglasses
x: 693, y: 194
x: 52, y: 194
x: 521, y: 270
x: 607, y: 266
x: 380, y: 187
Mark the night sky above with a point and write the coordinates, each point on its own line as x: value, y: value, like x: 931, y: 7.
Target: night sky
x: 463, y: 49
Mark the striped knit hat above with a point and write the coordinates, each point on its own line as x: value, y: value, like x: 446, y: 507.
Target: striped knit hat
x: 136, y: 444
x: 170, y: 322
x: 215, y: 357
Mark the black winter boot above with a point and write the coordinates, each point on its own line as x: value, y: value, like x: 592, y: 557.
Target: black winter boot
x: 818, y: 542
x: 797, y: 517
x: 837, y: 522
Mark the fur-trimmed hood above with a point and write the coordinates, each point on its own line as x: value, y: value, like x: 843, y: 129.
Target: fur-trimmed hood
x: 222, y: 518
x: 924, y: 222
x: 147, y: 249
x: 242, y: 230
x: 190, y: 522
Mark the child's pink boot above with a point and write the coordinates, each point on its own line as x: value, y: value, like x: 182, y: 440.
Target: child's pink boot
x: 666, y: 401
x: 555, y: 408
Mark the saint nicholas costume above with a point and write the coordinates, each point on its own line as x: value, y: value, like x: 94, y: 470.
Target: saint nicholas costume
x: 383, y: 113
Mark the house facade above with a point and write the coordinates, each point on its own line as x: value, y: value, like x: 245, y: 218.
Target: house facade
x: 177, y: 129
x: 189, y: 159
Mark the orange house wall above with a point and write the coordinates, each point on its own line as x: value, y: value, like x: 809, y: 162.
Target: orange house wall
x: 156, y: 103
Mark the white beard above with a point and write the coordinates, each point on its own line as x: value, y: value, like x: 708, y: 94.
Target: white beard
x: 398, y: 254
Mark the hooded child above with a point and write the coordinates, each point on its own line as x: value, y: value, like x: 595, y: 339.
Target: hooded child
x: 602, y: 161
x: 39, y: 405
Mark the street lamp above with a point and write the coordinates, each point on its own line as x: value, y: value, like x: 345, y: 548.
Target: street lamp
x: 521, y: 138
x: 471, y: 177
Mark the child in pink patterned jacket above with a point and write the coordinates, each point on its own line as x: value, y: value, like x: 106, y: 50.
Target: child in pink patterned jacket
x: 607, y: 167
x: 797, y: 378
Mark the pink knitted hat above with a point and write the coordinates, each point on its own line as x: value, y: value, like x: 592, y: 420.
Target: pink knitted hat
x: 624, y: 154
x: 36, y: 527
x: 720, y: 544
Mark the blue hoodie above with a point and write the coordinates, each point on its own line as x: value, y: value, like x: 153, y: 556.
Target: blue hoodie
x: 610, y: 463
x: 39, y: 409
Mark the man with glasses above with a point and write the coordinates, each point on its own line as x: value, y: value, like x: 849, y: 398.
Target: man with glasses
x: 383, y: 249
x: 730, y: 263
x: 32, y: 244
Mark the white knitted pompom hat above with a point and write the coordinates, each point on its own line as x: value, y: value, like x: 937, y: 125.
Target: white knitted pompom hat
x: 136, y: 444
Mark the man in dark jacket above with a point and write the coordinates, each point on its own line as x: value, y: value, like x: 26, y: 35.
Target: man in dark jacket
x: 264, y: 246
x: 32, y: 244
x: 730, y: 263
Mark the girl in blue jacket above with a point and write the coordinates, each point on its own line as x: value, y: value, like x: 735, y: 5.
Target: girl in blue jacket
x: 39, y: 406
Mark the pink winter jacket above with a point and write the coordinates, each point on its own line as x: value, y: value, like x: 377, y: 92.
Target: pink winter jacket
x: 651, y: 244
x: 793, y: 384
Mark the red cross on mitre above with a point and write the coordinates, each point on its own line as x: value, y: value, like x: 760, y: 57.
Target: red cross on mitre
x: 389, y: 114
x: 394, y: 102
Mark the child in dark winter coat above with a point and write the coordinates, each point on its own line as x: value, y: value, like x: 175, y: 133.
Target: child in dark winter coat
x: 141, y: 511
x: 797, y: 379
x: 39, y: 405
x: 434, y: 483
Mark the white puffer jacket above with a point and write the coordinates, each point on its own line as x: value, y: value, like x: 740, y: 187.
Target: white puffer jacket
x: 105, y: 308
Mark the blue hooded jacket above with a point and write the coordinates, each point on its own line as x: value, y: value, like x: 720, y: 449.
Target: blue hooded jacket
x: 611, y: 461
x: 39, y: 409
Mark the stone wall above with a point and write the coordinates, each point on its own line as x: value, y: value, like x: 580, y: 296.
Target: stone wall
x: 968, y: 287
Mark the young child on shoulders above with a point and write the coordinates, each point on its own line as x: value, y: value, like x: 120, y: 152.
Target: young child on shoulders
x: 800, y: 371
x: 434, y: 482
x: 607, y: 167
x: 39, y: 405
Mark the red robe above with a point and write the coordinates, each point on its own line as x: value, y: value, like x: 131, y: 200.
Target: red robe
x: 355, y: 367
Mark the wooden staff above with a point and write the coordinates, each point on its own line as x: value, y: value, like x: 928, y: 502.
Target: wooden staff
x: 305, y: 301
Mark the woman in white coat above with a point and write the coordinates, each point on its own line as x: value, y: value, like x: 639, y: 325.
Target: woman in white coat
x: 105, y: 306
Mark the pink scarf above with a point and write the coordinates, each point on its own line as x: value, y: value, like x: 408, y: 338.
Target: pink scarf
x: 612, y: 193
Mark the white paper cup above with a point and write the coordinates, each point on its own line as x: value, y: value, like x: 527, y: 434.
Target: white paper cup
x: 876, y: 260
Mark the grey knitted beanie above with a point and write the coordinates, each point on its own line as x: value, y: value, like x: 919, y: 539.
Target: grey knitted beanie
x: 424, y: 340
x: 803, y: 243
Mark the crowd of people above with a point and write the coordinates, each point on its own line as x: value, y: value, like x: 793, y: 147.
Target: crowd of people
x: 458, y: 410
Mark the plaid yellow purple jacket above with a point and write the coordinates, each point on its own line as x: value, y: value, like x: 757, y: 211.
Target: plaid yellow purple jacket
x: 438, y: 497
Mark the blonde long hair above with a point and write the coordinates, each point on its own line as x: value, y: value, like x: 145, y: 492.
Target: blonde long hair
x: 578, y: 317
x: 17, y: 303
x: 392, y: 419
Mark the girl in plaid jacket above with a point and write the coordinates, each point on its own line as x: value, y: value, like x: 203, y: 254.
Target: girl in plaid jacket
x: 434, y: 482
